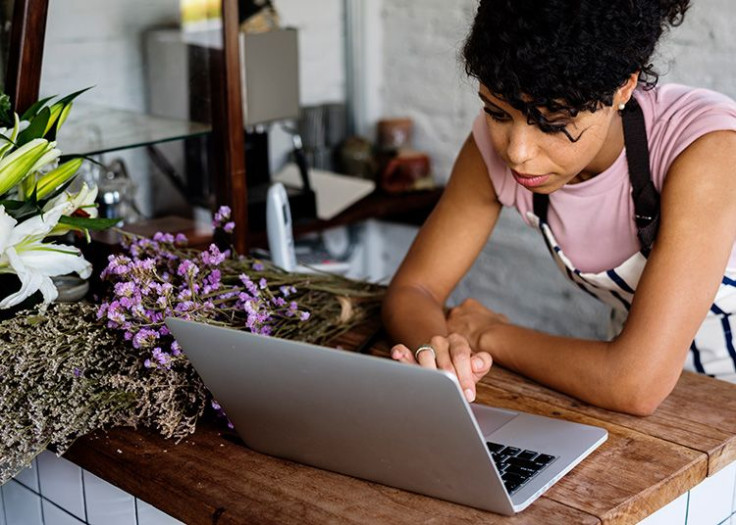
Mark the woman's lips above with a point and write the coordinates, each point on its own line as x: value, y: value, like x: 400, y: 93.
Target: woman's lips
x: 530, y: 181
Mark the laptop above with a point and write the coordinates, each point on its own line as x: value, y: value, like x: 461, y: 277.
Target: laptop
x: 380, y: 420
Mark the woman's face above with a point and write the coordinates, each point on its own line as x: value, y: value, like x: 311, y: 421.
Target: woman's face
x: 544, y: 161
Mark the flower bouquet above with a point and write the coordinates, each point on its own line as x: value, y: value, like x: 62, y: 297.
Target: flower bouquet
x: 38, y: 204
x: 76, y: 368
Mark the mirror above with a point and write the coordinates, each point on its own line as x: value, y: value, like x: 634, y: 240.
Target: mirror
x: 148, y: 68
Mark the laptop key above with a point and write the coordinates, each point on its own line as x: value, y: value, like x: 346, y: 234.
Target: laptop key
x: 544, y: 459
x: 495, y: 447
x: 524, y: 463
x: 527, y: 454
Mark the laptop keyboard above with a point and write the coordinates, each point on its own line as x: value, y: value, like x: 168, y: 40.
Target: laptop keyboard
x: 517, y: 466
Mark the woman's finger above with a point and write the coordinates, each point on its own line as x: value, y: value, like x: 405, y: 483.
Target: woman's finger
x: 403, y: 354
x: 480, y: 364
x: 461, y: 360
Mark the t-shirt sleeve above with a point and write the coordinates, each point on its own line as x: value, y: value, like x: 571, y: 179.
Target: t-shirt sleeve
x: 688, y: 115
x: 497, y: 171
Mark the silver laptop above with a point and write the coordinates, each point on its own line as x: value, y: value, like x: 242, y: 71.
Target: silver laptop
x: 380, y: 420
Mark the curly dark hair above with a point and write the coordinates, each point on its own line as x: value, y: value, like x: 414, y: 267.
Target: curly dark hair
x: 565, y: 55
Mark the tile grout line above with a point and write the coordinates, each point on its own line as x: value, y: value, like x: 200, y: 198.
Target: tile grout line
x: 65, y: 511
x: 84, y: 495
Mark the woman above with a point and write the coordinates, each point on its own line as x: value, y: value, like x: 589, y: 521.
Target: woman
x: 632, y: 186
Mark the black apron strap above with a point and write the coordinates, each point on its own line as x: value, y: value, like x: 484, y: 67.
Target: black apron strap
x: 645, y: 195
x: 643, y: 192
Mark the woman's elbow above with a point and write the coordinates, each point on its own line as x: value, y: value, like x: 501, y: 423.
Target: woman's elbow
x: 641, y: 396
x: 642, y: 406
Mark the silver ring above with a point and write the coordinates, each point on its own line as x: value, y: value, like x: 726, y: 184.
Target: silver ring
x: 423, y: 348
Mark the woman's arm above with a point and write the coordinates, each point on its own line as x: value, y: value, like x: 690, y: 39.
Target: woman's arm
x: 443, y: 251
x: 637, y: 370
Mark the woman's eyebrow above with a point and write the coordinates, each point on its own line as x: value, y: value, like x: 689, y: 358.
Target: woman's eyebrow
x: 487, y: 101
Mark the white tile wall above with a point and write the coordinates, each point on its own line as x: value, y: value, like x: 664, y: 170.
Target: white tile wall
x: 674, y: 513
x: 22, y: 507
x: 29, y: 477
x: 61, y: 482
x: 107, y: 504
x: 150, y: 515
x: 53, y: 515
x: 711, y: 502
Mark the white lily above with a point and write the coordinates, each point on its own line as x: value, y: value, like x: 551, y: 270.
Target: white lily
x: 84, y: 199
x: 23, y: 253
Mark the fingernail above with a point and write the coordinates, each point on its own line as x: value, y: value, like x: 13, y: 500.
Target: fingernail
x: 395, y: 354
x: 477, y: 364
x: 469, y: 395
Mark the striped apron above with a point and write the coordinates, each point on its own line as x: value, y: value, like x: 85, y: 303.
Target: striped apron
x: 713, y: 350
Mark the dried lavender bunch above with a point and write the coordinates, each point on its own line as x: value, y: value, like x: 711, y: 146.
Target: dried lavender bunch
x: 160, y: 277
x: 63, y: 374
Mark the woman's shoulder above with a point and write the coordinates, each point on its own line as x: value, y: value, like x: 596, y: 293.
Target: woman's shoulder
x: 664, y: 103
x: 676, y: 116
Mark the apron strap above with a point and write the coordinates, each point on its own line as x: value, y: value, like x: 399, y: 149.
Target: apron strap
x: 645, y: 195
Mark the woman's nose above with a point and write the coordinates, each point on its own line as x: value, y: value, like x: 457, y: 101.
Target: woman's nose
x: 521, y: 143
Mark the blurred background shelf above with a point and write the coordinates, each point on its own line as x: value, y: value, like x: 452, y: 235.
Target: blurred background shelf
x: 98, y: 129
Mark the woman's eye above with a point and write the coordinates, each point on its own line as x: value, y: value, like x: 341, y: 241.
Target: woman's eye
x: 496, y: 115
x: 553, y: 128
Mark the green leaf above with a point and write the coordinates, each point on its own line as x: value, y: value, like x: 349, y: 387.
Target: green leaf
x: 72, y: 96
x: 11, y: 204
x: 20, y: 210
x: 6, y: 111
x: 37, y: 127
x: 89, y: 223
x: 33, y: 110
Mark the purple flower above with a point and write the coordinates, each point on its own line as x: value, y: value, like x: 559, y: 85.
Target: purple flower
x: 77, y: 372
x: 304, y: 316
x: 163, y: 237
x: 278, y: 301
x: 258, y: 266
x: 187, y: 269
x: 222, y: 215
x: 213, y: 256
x: 229, y: 227
x: 145, y: 338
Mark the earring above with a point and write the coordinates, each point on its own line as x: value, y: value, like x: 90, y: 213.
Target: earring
x: 621, y: 106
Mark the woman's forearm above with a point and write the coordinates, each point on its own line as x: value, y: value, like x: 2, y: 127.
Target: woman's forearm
x: 411, y: 316
x: 593, y: 371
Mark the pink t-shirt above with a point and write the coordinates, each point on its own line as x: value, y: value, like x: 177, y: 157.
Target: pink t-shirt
x: 593, y: 220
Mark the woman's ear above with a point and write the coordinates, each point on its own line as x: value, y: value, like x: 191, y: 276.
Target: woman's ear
x: 626, y: 91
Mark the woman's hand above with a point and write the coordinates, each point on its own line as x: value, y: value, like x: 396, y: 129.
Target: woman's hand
x: 471, y: 319
x: 452, y: 354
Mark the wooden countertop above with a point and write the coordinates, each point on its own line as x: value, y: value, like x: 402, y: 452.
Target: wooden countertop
x: 212, y: 477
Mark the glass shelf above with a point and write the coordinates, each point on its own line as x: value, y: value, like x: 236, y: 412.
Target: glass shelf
x: 92, y: 129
